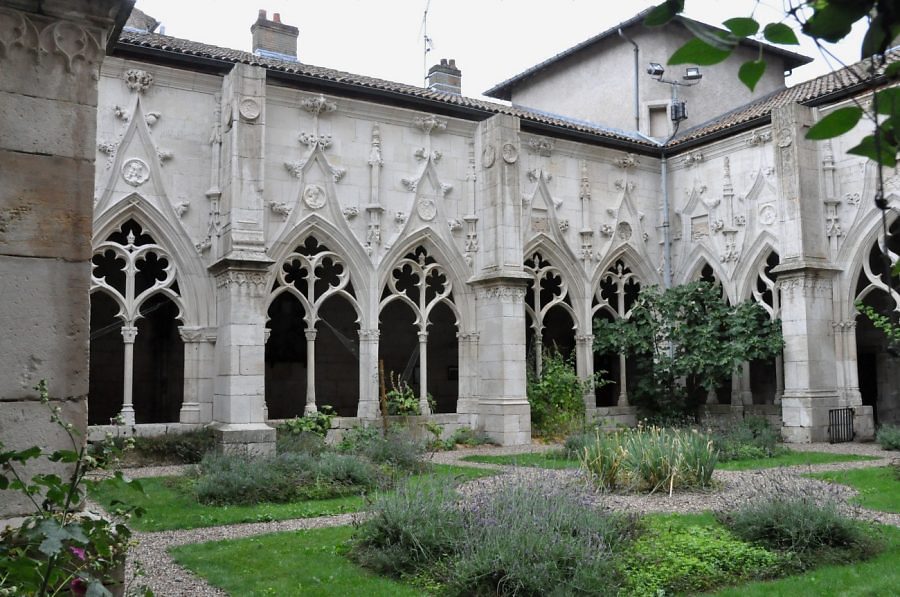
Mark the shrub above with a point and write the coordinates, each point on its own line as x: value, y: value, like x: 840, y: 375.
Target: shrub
x: 888, y: 437
x: 397, y: 449
x: 750, y: 438
x: 672, y: 559
x: 812, y: 531
x: 556, y: 396
x: 515, y: 540
x: 402, y: 400
x: 174, y: 448
x: 410, y: 528
x: 238, y: 479
x: 318, y: 422
x: 464, y: 436
x: 304, y: 442
x: 650, y: 459
x: 576, y: 443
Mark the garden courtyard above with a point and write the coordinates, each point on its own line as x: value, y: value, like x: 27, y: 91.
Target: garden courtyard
x: 414, y: 534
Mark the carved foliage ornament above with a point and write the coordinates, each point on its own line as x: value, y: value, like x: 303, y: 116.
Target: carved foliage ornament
x: 58, y: 38
x: 138, y: 80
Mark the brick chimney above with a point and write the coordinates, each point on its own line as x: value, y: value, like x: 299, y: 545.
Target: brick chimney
x: 445, y: 77
x: 274, y: 39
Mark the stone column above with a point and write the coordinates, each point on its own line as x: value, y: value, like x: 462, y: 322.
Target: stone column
x: 584, y: 363
x: 196, y: 378
x: 129, y: 335
x: 423, y: 374
x: 467, y: 402
x: 810, y: 379
x: 49, y: 67
x: 310, y: 408
x: 504, y: 413
x: 239, y: 397
x: 369, y: 389
x: 845, y: 337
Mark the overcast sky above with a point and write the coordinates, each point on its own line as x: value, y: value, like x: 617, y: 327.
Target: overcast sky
x: 491, y: 40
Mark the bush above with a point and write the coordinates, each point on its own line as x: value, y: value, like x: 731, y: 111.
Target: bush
x: 748, y: 439
x: 238, y: 479
x: 304, y: 442
x: 463, y: 436
x: 889, y: 437
x: 515, y: 540
x: 812, y: 531
x: 556, y: 396
x: 650, y: 459
x: 319, y: 422
x: 576, y: 443
x: 174, y: 448
x: 672, y: 559
x: 396, y: 449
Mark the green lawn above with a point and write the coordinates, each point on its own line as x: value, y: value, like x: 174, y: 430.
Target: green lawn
x: 533, y: 459
x: 878, y: 487
x: 313, y: 563
x: 168, y: 503
x: 790, y: 458
x: 297, y: 563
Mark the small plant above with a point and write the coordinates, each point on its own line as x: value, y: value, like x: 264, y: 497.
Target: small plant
x: 888, y: 437
x: 397, y: 449
x: 650, y: 459
x: 556, y: 396
x: 750, y: 438
x: 401, y: 398
x: 58, y: 547
x: 318, y: 422
x: 812, y: 530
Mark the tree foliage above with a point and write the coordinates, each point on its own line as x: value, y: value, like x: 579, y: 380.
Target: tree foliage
x: 685, y: 342
x: 822, y: 21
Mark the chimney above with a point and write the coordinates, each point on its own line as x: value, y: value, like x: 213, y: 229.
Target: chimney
x: 274, y: 39
x: 445, y: 77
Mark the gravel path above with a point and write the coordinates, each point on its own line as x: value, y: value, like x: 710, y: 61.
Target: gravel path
x: 160, y: 573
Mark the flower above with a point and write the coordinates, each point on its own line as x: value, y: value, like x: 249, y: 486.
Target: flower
x: 78, y: 551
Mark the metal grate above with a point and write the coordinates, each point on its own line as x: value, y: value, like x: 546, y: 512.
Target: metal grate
x: 840, y: 425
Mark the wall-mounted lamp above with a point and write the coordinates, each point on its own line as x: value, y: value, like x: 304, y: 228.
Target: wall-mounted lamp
x: 692, y: 73
x: 656, y: 70
x: 692, y: 76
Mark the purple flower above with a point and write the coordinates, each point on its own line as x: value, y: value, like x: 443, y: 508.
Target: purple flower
x: 78, y: 551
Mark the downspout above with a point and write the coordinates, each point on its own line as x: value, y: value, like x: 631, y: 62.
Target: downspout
x: 667, y: 238
x: 637, y: 107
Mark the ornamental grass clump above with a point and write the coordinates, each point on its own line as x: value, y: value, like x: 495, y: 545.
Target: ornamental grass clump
x: 650, y: 459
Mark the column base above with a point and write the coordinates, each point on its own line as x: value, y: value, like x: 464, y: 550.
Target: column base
x: 863, y: 424
x: 804, y: 417
x: 252, y: 439
x: 506, y: 422
x: 190, y: 412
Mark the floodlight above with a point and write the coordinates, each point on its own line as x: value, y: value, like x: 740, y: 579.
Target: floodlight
x: 656, y: 69
x: 692, y: 73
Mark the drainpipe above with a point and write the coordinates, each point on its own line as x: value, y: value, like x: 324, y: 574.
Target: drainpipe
x: 637, y: 108
x: 667, y: 238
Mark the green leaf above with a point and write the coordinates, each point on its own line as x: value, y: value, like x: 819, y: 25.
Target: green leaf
x: 837, y: 123
x: 751, y: 72
x: 22, y: 456
x: 892, y: 71
x: 64, y: 456
x: 832, y: 21
x: 742, y: 26
x: 779, y: 33
x: 664, y: 13
x: 698, y: 52
x: 96, y: 589
x: 54, y: 534
x: 885, y: 154
x: 875, y: 41
x: 720, y: 40
x: 889, y: 101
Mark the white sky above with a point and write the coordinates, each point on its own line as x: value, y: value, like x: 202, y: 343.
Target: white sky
x: 491, y: 40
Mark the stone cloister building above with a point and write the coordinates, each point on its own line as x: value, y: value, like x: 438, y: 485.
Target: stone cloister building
x: 265, y: 232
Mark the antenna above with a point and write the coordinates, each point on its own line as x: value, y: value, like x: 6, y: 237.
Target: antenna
x: 426, y: 43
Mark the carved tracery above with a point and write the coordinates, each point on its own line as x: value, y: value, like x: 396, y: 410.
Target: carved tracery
x: 614, y: 298
x: 546, y: 289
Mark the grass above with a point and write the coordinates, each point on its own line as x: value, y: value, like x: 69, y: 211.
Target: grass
x: 878, y: 576
x: 878, y: 487
x: 552, y: 460
x: 313, y: 563
x: 791, y: 458
x: 169, y: 504
x: 297, y: 563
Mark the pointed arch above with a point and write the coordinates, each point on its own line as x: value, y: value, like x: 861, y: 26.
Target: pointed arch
x: 856, y: 254
x: 757, y: 254
x: 194, y: 283
x: 446, y: 255
x: 562, y: 258
x: 633, y: 259
x: 693, y: 265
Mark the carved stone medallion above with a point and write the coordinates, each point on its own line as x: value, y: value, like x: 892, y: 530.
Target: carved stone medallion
x: 767, y: 215
x: 624, y: 230
x: 314, y: 196
x: 488, y: 155
x: 249, y: 108
x: 135, y: 172
x: 426, y: 208
x: 510, y: 153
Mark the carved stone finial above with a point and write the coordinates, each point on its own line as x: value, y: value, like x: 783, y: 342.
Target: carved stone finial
x: 629, y: 160
x: 375, y: 152
x: 542, y: 147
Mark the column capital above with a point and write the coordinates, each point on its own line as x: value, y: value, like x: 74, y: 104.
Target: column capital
x: 310, y: 334
x: 129, y: 333
x: 369, y: 335
x: 196, y: 334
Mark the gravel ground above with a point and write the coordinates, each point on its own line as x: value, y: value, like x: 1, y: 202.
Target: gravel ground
x: 160, y: 573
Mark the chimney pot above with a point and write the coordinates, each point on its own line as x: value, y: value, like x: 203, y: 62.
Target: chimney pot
x: 274, y: 39
x: 453, y: 63
x: 277, y: 17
